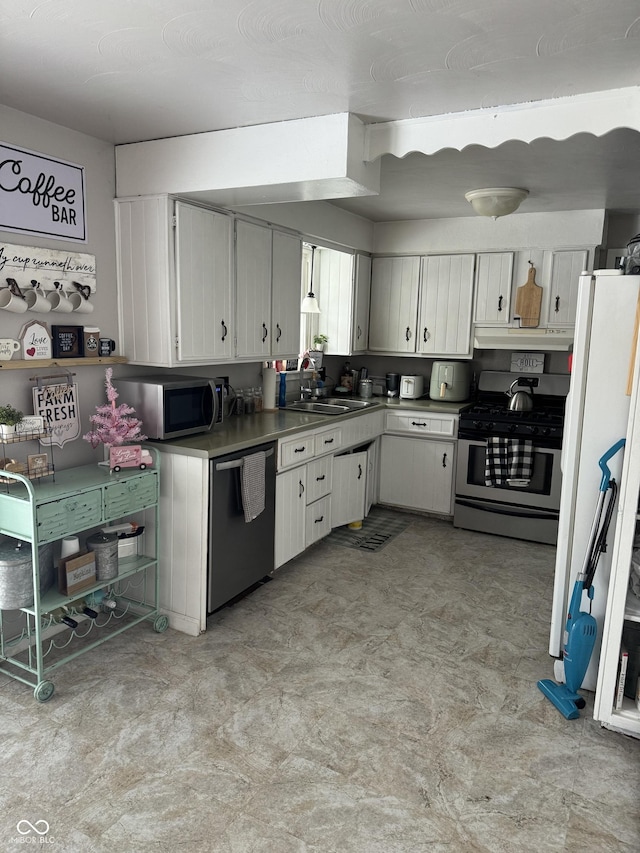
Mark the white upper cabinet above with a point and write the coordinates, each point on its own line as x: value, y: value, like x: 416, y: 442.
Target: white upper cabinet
x: 563, y: 269
x: 253, y: 291
x: 204, y: 284
x: 362, y: 299
x: 175, y: 293
x: 285, y: 294
x: 268, y: 269
x: 334, y: 286
x: 394, y: 304
x: 446, y: 299
x: 494, y: 278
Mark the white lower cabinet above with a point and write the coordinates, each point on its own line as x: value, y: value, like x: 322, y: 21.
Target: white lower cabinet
x: 291, y: 510
x: 350, y: 488
x: 318, y: 520
x: 417, y: 473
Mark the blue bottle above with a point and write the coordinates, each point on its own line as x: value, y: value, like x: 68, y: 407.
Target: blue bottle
x: 282, y: 393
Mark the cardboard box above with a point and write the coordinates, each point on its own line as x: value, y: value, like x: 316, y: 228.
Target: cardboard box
x: 77, y: 572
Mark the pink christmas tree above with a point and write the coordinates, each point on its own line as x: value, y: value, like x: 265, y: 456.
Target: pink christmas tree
x: 113, y: 425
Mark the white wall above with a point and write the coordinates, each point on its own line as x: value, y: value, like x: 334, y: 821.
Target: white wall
x: 97, y: 158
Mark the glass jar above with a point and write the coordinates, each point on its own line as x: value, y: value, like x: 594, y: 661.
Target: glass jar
x: 249, y: 404
x: 257, y: 397
x: 240, y: 402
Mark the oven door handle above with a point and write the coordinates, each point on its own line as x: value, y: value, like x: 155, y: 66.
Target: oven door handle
x: 519, y: 513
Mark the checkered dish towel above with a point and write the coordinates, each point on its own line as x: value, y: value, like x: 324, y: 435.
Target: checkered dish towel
x: 252, y: 483
x: 508, y: 459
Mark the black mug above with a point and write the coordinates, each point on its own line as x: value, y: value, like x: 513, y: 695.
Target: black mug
x: 106, y: 346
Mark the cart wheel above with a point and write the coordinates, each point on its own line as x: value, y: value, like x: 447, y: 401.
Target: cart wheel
x: 143, y: 465
x: 116, y: 468
x: 580, y: 703
x: 160, y: 624
x: 43, y: 691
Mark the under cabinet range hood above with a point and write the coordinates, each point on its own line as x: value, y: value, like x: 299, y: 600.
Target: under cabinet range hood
x: 523, y: 339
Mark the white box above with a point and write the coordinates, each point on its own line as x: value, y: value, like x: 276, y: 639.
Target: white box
x: 128, y: 547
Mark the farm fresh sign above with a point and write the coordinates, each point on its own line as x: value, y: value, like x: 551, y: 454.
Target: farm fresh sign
x: 41, y: 195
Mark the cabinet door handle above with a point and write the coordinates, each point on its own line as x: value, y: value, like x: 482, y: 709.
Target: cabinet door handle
x: 318, y: 520
x: 319, y: 479
x: 264, y: 333
x: 301, y: 492
x: 444, y: 460
x: 300, y: 449
x: 499, y: 303
x: 426, y: 334
x: 418, y: 423
x: 224, y: 329
x: 407, y: 334
x: 278, y: 332
x: 557, y: 304
x: 359, y: 471
x: 329, y: 440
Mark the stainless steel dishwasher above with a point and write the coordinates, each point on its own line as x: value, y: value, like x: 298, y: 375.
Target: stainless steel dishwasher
x: 240, y: 554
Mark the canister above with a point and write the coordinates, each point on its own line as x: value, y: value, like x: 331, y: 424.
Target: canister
x: 16, y: 572
x: 105, y: 546
x: 365, y: 388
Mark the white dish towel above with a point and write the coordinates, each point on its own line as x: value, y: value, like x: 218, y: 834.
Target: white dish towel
x: 252, y: 481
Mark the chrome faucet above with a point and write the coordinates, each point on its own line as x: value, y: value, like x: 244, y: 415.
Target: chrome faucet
x: 307, y: 393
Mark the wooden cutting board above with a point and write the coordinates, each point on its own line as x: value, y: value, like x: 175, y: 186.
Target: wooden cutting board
x: 528, y: 301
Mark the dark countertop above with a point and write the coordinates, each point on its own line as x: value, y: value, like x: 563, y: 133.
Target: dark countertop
x: 242, y: 433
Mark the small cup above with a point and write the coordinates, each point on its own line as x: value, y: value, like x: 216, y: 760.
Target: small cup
x: 7, y: 348
x: 80, y: 304
x: 37, y: 301
x: 60, y: 301
x: 12, y: 302
x: 106, y: 346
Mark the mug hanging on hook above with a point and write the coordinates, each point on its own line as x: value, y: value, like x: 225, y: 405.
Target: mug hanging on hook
x: 12, y: 298
x: 59, y: 300
x: 36, y: 299
x: 80, y: 299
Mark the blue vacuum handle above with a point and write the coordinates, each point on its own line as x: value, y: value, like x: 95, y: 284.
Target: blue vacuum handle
x: 606, y: 473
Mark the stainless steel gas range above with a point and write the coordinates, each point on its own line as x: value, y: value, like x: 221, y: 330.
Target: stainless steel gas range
x: 508, y: 475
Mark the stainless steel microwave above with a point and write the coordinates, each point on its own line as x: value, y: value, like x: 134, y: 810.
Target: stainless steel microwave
x: 173, y: 406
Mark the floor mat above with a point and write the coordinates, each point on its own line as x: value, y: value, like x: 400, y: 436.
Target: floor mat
x: 378, y: 529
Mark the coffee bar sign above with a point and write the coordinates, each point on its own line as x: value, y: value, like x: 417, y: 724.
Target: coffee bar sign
x: 41, y: 195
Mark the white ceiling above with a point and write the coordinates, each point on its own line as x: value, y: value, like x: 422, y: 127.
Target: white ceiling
x: 132, y: 70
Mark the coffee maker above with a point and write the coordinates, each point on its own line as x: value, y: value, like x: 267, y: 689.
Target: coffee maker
x: 393, y: 384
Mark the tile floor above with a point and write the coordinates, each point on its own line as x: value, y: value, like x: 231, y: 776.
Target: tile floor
x: 368, y: 702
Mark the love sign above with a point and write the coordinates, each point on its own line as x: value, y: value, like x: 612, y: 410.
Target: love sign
x: 36, y: 341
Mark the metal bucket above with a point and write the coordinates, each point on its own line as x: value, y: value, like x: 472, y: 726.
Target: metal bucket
x: 105, y: 546
x: 16, y: 572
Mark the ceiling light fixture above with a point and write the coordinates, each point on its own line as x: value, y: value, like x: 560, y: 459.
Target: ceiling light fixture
x: 310, y: 303
x: 496, y: 201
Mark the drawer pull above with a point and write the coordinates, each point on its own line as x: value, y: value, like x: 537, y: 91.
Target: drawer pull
x: 329, y: 440
x: 319, y: 479
x: 418, y: 423
x: 318, y: 520
x: 300, y: 449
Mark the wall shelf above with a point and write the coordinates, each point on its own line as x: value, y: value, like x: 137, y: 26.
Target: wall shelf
x: 22, y: 364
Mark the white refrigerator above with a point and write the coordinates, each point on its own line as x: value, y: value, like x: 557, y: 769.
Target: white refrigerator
x: 596, y: 417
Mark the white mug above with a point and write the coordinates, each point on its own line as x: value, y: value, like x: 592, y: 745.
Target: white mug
x: 37, y: 301
x: 7, y: 348
x: 11, y: 302
x: 80, y: 304
x: 60, y: 301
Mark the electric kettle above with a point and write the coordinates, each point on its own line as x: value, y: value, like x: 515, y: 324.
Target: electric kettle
x: 521, y: 401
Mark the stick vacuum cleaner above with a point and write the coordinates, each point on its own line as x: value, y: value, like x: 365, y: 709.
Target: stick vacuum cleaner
x: 581, y: 628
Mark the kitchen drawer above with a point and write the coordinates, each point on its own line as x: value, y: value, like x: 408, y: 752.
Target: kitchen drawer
x: 422, y: 423
x: 69, y: 515
x: 319, y: 478
x: 328, y: 441
x: 130, y: 495
x: 293, y: 451
x: 318, y: 520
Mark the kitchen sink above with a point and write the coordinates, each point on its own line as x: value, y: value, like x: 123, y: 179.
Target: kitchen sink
x: 330, y: 406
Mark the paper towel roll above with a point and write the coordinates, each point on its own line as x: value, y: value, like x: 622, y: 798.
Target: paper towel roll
x: 70, y: 545
x: 269, y: 376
